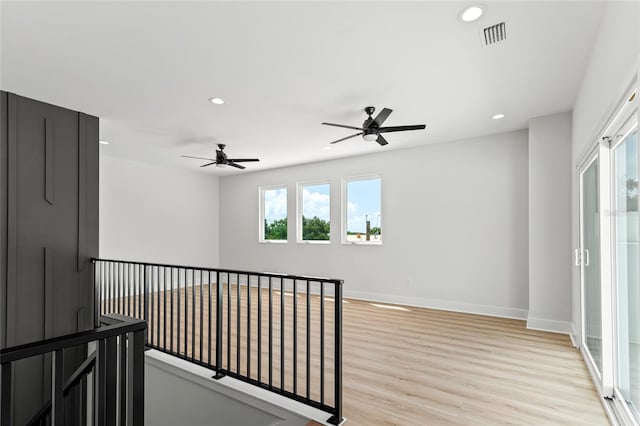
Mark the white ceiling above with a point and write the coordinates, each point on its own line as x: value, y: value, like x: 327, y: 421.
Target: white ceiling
x: 147, y: 70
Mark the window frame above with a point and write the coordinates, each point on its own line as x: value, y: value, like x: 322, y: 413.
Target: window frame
x: 345, y: 205
x: 261, y: 212
x: 299, y: 210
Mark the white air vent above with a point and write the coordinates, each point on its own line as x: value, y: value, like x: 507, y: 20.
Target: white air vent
x: 494, y: 34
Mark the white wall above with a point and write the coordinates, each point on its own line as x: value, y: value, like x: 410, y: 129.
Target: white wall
x: 157, y: 214
x: 178, y: 392
x: 614, y: 61
x: 454, y: 226
x: 550, y: 223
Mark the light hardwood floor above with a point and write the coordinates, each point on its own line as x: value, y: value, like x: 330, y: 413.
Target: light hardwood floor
x: 414, y: 366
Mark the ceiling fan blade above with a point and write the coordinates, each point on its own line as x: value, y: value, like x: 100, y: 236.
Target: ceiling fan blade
x: 382, y: 141
x: 401, y: 128
x: 342, y: 125
x: 382, y: 117
x: 348, y: 137
x: 198, y: 158
x: 238, y: 166
x: 242, y: 160
x: 208, y: 164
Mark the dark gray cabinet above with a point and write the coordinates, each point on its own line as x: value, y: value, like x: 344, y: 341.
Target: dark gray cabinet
x: 49, y: 159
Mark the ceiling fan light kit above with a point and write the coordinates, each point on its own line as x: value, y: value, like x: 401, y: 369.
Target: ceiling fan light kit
x: 372, y: 127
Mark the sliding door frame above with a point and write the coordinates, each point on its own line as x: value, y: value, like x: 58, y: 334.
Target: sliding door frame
x: 621, y: 124
x: 617, y: 137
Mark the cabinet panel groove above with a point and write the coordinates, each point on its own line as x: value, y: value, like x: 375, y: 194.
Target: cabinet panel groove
x: 12, y: 216
x: 49, y: 188
x: 82, y: 188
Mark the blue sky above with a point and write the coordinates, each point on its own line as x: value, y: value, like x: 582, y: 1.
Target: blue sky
x: 363, y: 198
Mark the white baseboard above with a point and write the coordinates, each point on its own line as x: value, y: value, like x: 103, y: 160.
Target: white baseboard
x: 563, y: 327
x: 445, y: 305
x: 574, y: 343
x: 574, y: 336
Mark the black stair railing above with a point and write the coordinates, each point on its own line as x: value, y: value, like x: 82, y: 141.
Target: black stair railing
x: 75, y: 382
x: 282, y: 333
x: 121, y: 338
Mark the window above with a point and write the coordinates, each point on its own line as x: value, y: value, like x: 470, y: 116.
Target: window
x: 362, y: 210
x: 273, y: 214
x: 314, y: 212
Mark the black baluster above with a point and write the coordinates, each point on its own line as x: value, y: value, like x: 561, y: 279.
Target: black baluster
x: 259, y: 336
x: 125, y: 282
x: 186, y: 312
x: 322, y: 342
x: 112, y: 288
x: 201, y: 313
x: 145, y: 294
x: 219, y: 331
x: 193, y: 314
x: 178, y: 313
x: 238, y: 315
x: 159, y: 328
x: 209, y: 324
x: 171, y: 305
x: 248, y: 326
x: 270, y: 334
x: 282, y: 316
x: 164, y: 308
x: 337, y: 381
x: 228, y: 322
x: 308, y: 341
x: 57, y: 388
x: 152, y: 312
x: 295, y: 337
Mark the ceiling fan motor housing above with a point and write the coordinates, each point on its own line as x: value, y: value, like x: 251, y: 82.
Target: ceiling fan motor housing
x: 369, y: 123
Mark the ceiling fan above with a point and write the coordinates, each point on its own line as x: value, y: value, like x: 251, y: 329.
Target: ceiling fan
x: 372, y: 127
x: 221, y: 159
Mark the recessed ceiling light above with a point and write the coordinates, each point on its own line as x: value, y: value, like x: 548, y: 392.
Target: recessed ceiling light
x: 327, y: 148
x: 104, y: 142
x: 498, y: 117
x: 216, y: 101
x: 471, y: 13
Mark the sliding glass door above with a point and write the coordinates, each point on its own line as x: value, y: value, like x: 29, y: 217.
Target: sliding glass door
x: 590, y: 235
x: 627, y: 257
x: 609, y: 259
